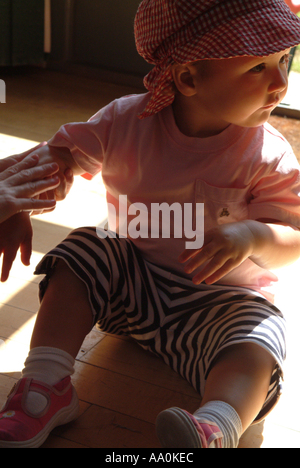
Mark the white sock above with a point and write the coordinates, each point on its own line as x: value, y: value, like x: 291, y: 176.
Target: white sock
x: 49, y: 365
x: 226, y: 418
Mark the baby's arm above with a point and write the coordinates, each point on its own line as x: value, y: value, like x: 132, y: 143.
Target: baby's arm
x: 62, y: 156
x: 276, y: 244
x: 227, y: 246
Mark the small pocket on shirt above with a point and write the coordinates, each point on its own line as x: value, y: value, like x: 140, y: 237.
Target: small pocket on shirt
x: 222, y: 205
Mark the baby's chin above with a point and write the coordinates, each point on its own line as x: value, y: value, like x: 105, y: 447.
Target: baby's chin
x: 261, y: 117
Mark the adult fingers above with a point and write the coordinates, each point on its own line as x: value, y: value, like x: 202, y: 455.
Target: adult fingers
x: 27, y: 171
x: 21, y: 156
x: 10, y: 166
x: 8, y: 259
x: 33, y: 189
x: 16, y: 158
x: 34, y: 204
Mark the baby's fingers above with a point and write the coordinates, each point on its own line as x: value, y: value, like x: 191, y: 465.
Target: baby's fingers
x: 187, y: 255
x: 213, y: 271
x: 49, y: 195
x: 66, y: 182
x: 201, y: 257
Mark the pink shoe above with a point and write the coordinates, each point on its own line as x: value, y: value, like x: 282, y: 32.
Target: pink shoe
x: 21, y: 429
x: 177, y: 428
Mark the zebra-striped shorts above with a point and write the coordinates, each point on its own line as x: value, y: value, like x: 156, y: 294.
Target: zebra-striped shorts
x: 185, y: 324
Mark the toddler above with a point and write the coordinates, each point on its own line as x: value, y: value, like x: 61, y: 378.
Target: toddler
x: 198, y: 138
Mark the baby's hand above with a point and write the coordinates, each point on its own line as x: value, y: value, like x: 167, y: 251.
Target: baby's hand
x: 224, y: 249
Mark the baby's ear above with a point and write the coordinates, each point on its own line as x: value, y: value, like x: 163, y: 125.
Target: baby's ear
x: 183, y: 76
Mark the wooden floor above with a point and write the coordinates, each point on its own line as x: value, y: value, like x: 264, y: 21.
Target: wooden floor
x: 121, y: 388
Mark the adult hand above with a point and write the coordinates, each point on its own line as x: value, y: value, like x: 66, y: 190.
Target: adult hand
x: 15, y: 233
x: 67, y: 169
x: 16, y: 158
x: 22, y: 181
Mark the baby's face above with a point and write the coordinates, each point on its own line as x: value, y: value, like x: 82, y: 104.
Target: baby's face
x: 243, y: 90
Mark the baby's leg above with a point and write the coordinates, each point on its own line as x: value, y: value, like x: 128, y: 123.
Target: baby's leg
x: 241, y: 377
x: 65, y: 316
x: 113, y: 283
x: 236, y: 390
x: 235, y: 393
x: 44, y: 398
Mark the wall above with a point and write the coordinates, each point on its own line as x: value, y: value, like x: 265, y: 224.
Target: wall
x: 97, y: 33
x: 21, y: 32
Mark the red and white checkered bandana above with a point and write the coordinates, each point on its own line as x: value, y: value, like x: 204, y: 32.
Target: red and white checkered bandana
x: 184, y: 31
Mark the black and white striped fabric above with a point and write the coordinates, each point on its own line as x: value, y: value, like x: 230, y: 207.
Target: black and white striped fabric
x: 185, y: 324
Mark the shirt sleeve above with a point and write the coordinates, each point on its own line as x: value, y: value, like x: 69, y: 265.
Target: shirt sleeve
x: 87, y: 141
x: 276, y: 194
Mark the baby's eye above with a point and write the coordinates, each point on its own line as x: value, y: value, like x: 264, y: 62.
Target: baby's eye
x: 259, y: 68
x: 286, y: 59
